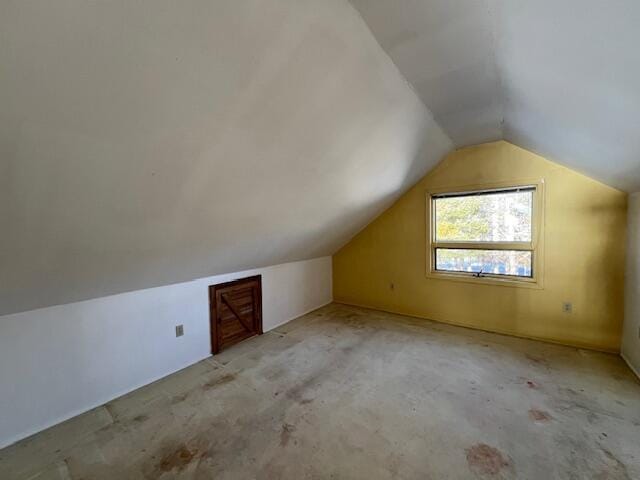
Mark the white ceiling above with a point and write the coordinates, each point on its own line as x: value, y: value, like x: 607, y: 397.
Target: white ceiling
x: 151, y: 142
x: 561, y: 78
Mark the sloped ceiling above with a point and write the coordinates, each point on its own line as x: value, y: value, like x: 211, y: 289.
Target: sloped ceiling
x: 151, y: 142
x: 560, y: 78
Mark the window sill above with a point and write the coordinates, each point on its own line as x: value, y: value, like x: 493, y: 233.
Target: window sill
x: 486, y: 280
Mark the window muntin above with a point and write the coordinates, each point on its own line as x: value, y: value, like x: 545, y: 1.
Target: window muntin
x: 485, y: 233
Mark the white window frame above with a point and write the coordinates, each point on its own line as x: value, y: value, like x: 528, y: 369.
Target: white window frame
x: 536, y: 245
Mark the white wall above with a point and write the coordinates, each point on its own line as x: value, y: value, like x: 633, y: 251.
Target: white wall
x: 630, y: 334
x: 57, y: 362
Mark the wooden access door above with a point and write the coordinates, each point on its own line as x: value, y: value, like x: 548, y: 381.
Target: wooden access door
x: 236, y: 311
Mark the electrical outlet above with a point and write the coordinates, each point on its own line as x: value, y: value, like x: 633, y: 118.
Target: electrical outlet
x: 179, y: 330
x: 567, y: 307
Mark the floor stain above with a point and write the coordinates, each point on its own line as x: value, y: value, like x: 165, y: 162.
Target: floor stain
x: 179, y: 398
x: 285, y: 434
x: 536, y: 360
x: 177, y: 460
x: 539, y: 415
x: 615, y: 469
x: 228, y: 428
x: 226, y: 378
x: 485, y: 459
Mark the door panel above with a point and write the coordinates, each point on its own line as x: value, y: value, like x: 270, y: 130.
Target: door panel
x: 236, y: 311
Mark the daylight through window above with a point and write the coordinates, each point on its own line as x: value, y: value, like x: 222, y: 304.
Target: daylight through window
x: 484, y: 233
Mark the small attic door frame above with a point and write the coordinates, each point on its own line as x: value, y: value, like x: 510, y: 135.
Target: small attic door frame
x: 224, y: 311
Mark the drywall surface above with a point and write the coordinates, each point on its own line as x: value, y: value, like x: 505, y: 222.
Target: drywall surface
x: 631, y: 332
x: 584, y: 249
x: 152, y: 142
x: 59, y: 361
x: 558, y: 78
x: 446, y: 49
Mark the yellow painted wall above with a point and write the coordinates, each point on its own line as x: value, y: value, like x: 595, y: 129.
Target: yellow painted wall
x: 585, y: 226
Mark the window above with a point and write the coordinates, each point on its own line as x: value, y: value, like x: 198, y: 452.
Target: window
x: 486, y: 234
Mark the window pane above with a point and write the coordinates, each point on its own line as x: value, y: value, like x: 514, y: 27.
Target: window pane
x: 490, y: 217
x: 494, y: 262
